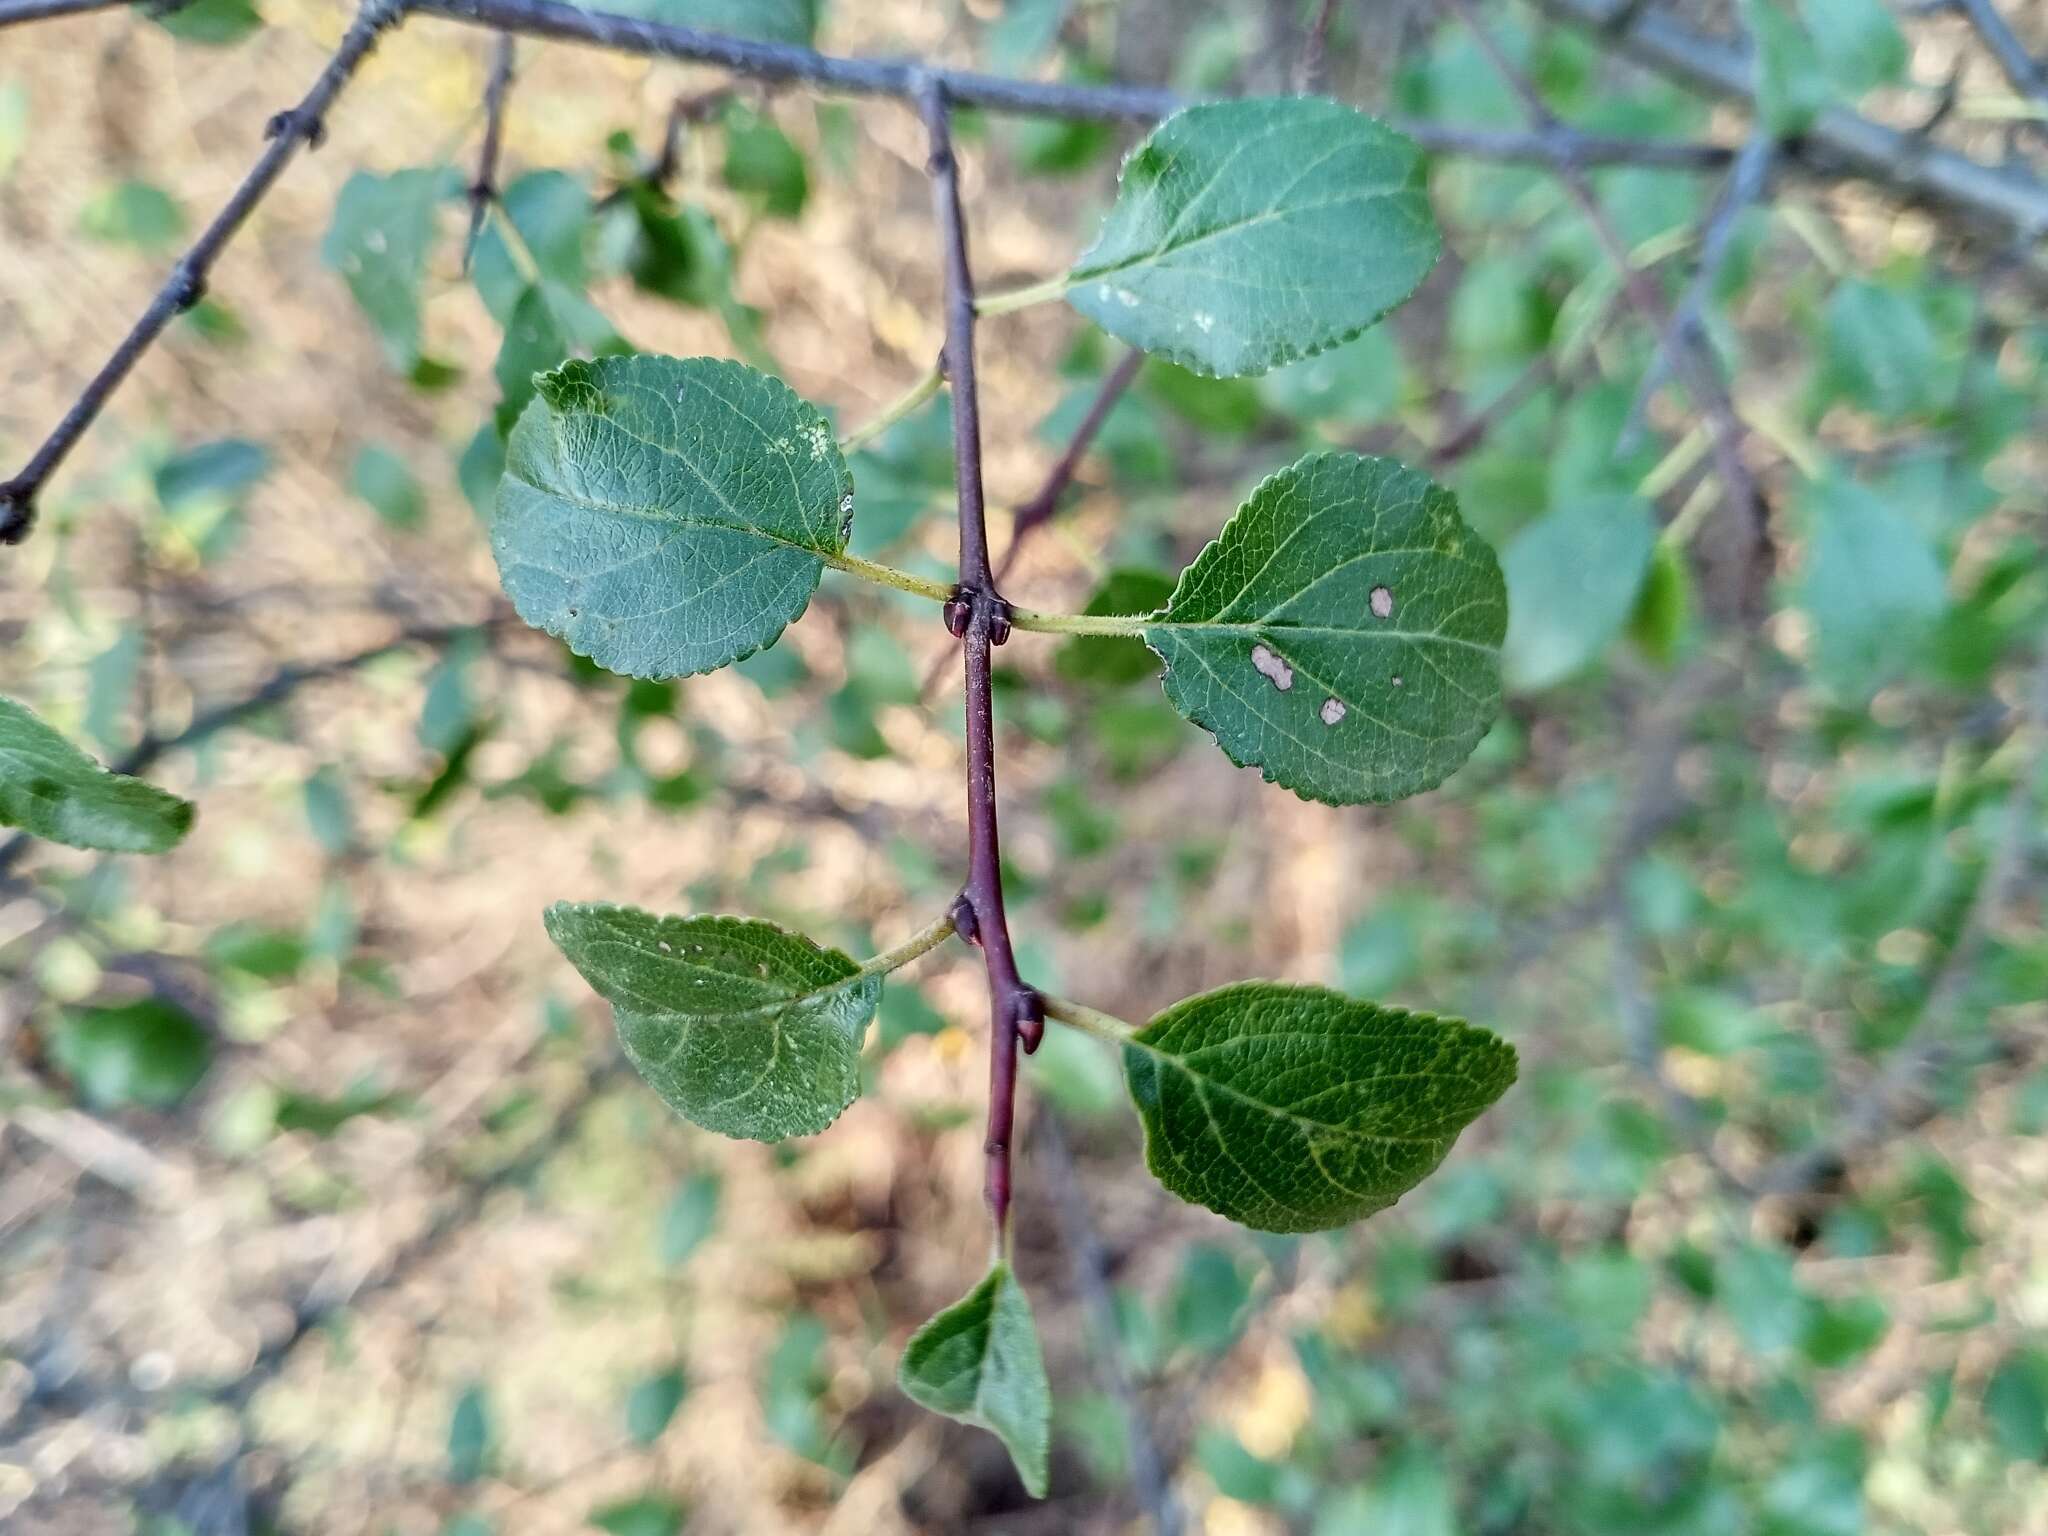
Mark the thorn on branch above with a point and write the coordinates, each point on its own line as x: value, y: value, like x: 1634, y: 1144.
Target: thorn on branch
x: 311, y: 130
x: 17, y: 511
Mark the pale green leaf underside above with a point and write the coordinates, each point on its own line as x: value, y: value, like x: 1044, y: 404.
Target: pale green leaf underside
x: 1246, y: 234
x: 979, y: 1362
x: 51, y: 789
x: 1342, y: 634
x: 743, y: 1028
x: 1298, y: 1109
x: 666, y: 516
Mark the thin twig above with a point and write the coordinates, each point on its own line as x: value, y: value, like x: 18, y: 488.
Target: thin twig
x: 687, y: 110
x: 14, y: 12
x: 977, y: 615
x: 1746, y: 183
x: 2026, y: 73
x: 1309, y: 69
x: 275, y: 689
x: 484, y: 190
x: 1089, y: 1267
x: 1044, y: 503
x: 1922, y: 1049
x: 187, y: 282
x: 1698, y: 369
x: 1838, y: 141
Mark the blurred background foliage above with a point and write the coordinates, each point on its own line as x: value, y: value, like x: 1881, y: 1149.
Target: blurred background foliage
x: 324, y: 1202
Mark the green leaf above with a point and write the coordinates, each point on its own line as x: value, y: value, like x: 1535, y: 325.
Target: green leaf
x: 667, y: 516
x: 2016, y: 1404
x: 653, y: 1403
x: 133, y: 213
x: 759, y: 158
x: 211, y: 23
x: 381, y: 478
x: 1880, y: 352
x: 1246, y: 234
x: 550, y: 212
x: 382, y: 230
x: 688, y: 1219
x: 1573, y: 578
x: 744, y: 1028
x: 469, y: 1436
x: 766, y: 21
x: 1791, y: 88
x: 1342, y: 634
x: 1298, y: 1109
x: 1871, y: 583
x: 1859, y: 43
x: 51, y: 789
x: 212, y: 472
x: 979, y: 1362
x: 651, y: 1514
x: 149, y: 1052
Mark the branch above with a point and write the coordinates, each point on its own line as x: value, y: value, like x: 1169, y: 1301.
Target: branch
x: 1868, y: 1117
x: 1746, y: 183
x: 187, y: 282
x: 1089, y: 1267
x: 1308, y: 69
x: 13, y: 12
x: 1838, y: 139
x: 977, y: 615
x: 1557, y: 144
x: 275, y: 689
x: 1697, y: 367
x: 484, y: 190
x: 1045, y: 501
x: 783, y: 61
x: 2021, y: 68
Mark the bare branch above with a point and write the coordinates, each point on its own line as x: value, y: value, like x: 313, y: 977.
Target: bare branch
x: 1697, y: 367
x: 1044, y: 503
x: 2021, y: 67
x: 187, y: 282
x: 1746, y: 183
x: 979, y: 618
x: 1089, y: 1267
x: 484, y: 190
x: 1839, y: 140
x: 1309, y: 69
x: 14, y: 12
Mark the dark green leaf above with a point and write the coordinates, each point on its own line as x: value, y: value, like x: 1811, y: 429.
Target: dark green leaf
x: 666, y: 516
x: 1573, y: 578
x: 979, y: 1362
x: 651, y: 1514
x: 51, y: 789
x: 744, y: 1028
x: 1297, y: 1109
x: 1249, y: 233
x: 211, y: 23
x: 1342, y: 634
x: 148, y: 1052
x: 759, y: 158
x: 2016, y: 1404
x: 1791, y: 87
